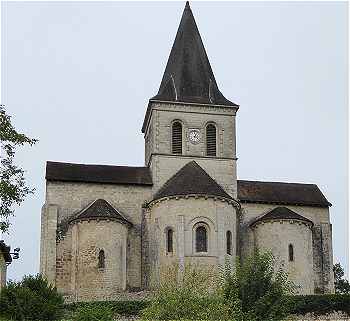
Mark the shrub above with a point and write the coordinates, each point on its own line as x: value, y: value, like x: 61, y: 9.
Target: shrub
x: 125, y: 308
x: 192, y: 296
x: 31, y: 299
x: 320, y: 304
x: 257, y: 290
x: 95, y: 312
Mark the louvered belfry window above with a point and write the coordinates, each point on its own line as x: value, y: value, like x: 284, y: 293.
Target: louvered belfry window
x: 176, y: 143
x: 211, y: 140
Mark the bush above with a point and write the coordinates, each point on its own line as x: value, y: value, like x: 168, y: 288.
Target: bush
x: 31, y: 299
x: 195, y: 296
x: 96, y: 312
x: 320, y: 304
x: 125, y: 308
x: 258, y: 290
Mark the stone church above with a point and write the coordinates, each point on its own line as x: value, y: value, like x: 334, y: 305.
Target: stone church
x: 106, y: 230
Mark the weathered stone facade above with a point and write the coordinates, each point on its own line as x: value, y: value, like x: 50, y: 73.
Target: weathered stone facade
x: 184, y: 206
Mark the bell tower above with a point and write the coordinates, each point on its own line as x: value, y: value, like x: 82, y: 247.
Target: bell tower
x: 189, y: 118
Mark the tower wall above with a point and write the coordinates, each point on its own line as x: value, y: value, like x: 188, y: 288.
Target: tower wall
x: 182, y: 215
x: 164, y: 164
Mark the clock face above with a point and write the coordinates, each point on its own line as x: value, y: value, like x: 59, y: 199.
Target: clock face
x: 195, y: 136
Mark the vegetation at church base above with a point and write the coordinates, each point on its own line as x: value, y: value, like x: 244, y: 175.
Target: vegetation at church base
x: 192, y: 295
x: 95, y: 312
x: 31, y: 299
x: 320, y: 304
x: 254, y: 292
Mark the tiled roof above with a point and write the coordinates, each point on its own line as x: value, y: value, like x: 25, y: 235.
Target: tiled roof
x: 99, y: 209
x: 191, y: 179
x: 280, y: 213
x: 281, y: 193
x: 98, y: 173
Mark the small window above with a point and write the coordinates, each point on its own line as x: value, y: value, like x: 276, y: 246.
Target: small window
x: 201, y: 239
x: 176, y: 142
x: 169, y: 240
x: 211, y: 140
x: 229, y: 242
x: 101, y: 259
x: 291, y: 253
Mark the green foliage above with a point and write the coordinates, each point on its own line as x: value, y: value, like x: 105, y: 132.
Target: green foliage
x: 257, y: 290
x: 13, y: 188
x: 341, y: 285
x: 96, y: 312
x: 320, y: 304
x: 31, y: 299
x: 194, y: 296
x: 126, y: 308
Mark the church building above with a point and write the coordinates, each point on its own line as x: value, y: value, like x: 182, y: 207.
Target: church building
x: 107, y: 230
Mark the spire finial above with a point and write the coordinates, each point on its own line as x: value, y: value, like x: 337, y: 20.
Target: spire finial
x: 187, y: 6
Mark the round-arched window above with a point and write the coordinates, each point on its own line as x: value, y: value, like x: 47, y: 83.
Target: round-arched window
x: 229, y: 242
x: 169, y: 240
x: 101, y: 259
x: 201, y: 239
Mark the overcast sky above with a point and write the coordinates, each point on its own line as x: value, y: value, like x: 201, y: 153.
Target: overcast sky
x: 78, y: 76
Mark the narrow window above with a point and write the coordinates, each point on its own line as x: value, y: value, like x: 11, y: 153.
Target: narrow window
x: 176, y: 143
x: 101, y: 259
x: 291, y: 252
x: 229, y: 242
x: 201, y: 239
x: 169, y: 240
x: 211, y: 140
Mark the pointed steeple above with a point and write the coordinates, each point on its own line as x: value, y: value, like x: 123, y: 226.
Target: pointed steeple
x: 188, y: 76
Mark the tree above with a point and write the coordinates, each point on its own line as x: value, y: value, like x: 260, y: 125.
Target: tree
x: 341, y: 285
x: 13, y: 188
x: 256, y: 291
x: 33, y: 298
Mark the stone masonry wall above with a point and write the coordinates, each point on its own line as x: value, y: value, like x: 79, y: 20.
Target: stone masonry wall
x: 321, y: 236
x: 3, y: 269
x: 277, y: 236
x: 64, y: 199
x: 158, y: 142
x: 182, y: 215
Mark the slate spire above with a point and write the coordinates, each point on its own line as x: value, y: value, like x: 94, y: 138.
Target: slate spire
x: 188, y: 76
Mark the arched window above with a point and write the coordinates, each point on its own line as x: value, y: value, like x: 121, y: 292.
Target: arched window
x: 101, y: 259
x: 169, y: 240
x: 201, y: 239
x: 176, y: 138
x: 211, y: 140
x: 291, y: 253
x: 229, y: 242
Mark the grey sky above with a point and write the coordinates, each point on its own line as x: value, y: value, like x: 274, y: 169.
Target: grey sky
x: 78, y: 76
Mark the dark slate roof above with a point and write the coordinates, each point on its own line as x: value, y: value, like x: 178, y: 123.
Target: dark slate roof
x: 280, y: 213
x: 191, y: 179
x: 281, y: 193
x: 98, y: 173
x: 5, y: 250
x: 99, y: 209
x: 188, y: 76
